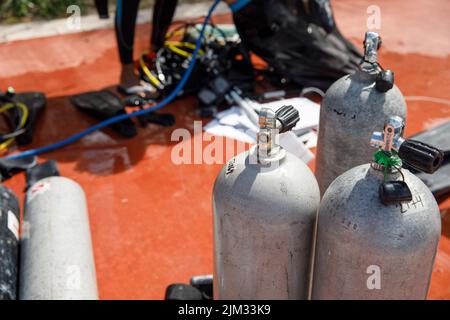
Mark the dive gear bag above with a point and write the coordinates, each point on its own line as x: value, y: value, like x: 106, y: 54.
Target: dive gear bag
x: 298, y: 39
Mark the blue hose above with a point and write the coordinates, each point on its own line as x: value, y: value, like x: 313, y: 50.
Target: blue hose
x: 103, y: 124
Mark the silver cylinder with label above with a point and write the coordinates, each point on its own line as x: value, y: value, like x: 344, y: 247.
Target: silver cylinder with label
x: 265, y: 203
x: 57, y: 261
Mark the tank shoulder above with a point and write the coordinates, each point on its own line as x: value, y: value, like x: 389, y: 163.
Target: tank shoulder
x: 352, y: 209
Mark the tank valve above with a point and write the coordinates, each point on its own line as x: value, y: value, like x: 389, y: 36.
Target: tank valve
x: 272, y: 123
x: 372, y: 42
x: 384, y: 80
x: 393, y: 151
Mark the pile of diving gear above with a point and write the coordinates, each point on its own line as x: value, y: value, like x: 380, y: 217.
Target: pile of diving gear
x: 56, y: 262
x: 299, y: 41
x: 222, y: 63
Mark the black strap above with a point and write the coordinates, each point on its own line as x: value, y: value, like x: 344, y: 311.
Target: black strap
x: 41, y: 171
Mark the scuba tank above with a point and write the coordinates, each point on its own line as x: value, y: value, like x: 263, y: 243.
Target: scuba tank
x: 379, y: 225
x: 353, y: 107
x: 9, y: 243
x: 57, y: 262
x: 265, y: 202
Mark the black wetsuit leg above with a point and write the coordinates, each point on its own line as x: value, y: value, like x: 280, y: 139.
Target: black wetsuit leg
x: 126, y: 15
x: 125, y: 25
x: 163, y: 13
x: 102, y: 8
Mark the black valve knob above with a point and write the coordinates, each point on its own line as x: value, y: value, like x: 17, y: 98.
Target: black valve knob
x: 421, y: 156
x: 134, y: 101
x: 384, y: 81
x: 288, y: 116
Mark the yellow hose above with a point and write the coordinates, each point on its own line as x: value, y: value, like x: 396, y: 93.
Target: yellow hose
x: 148, y: 73
x: 176, y: 46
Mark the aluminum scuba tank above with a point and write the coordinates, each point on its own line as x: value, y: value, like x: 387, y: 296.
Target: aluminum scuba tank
x: 354, y: 107
x: 9, y: 243
x: 265, y: 202
x: 57, y: 261
x: 379, y: 225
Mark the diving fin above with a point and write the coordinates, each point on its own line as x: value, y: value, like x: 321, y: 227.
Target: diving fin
x: 162, y: 119
x: 103, y: 105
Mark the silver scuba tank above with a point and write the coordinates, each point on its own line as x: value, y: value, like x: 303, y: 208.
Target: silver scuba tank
x: 265, y: 202
x: 354, y: 107
x: 379, y: 225
x: 57, y: 261
x: 9, y: 243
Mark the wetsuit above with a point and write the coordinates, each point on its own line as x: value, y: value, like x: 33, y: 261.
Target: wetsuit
x: 102, y: 8
x: 125, y: 25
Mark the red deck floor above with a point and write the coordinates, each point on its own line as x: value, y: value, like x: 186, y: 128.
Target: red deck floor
x: 151, y: 220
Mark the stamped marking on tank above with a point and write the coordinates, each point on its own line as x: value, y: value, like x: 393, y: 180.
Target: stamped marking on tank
x: 416, y: 205
x: 231, y: 165
x: 343, y: 114
x: 38, y: 189
x: 348, y: 224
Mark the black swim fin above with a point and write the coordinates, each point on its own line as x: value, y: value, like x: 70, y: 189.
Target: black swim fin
x: 162, y: 119
x: 103, y: 105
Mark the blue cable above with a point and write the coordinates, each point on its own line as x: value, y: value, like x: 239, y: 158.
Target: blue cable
x: 103, y: 124
x: 238, y: 5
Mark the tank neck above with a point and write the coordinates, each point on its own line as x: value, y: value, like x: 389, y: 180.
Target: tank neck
x: 267, y: 149
x: 372, y: 43
x: 379, y: 171
x: 366, y: 76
